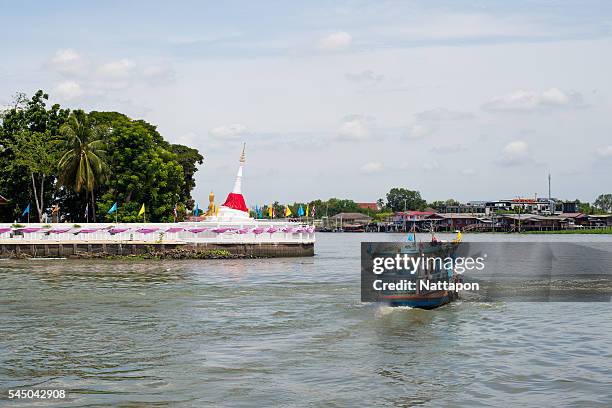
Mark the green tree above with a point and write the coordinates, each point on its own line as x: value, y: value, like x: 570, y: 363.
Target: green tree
x: 82, y: 165
x: 437, y: 205
x: 399, y: 199
x: 604, y: 202
x: 189, y: 159
x: 451, y: 202
x: 142, y: 166
x: 143, y: 171
x: 38, y: 153
x: 26, y: 117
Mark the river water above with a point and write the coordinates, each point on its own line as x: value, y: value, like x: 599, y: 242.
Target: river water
x: 286, y: 332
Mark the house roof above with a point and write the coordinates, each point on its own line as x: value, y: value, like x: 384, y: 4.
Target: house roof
x: 573, y: 215
x: 522, y: 217
x: 351, y: 216
x: 415, y: 212
x: 456, y: 216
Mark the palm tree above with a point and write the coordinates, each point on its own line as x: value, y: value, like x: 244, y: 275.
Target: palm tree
x: 82, y: 166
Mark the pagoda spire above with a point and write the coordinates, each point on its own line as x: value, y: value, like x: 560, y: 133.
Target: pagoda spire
x: 238, y: 183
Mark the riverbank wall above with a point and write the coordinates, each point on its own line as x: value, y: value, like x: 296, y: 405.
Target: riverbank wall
x: 101, y: 249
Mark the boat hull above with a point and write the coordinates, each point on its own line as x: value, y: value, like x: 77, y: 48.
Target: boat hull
x: 422, y: 303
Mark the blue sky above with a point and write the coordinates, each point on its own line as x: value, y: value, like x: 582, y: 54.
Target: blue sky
x: 469, y: 100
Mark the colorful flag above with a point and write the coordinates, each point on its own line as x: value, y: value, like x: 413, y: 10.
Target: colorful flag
x: 410, y: 237
x: 287, y: 211
x: 175, y: 210
x: 142, y: 210
x: 313, y: 212
x: 26, y: 211
x: 273, y: 212
x: 270, y: 211
x: 256, y: 211
x: 112, y: 209
x: 300, y: 211
x: 307, y: 209
x: 196, y: 211
x: 260, y: 212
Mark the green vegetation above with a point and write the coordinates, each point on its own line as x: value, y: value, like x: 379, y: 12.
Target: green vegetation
x: 82, y: 166
x: 400, y: 199
x: 177, y: 253
x: 77, y: 161
x: 441, y: 205
x: 604, y: 203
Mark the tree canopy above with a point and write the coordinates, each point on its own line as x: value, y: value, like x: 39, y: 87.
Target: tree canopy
x: 604, y: 202
x: 400, y: 199
x: 95, y: 157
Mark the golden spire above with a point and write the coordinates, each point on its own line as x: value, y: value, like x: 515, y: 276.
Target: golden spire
x: 242, y: 156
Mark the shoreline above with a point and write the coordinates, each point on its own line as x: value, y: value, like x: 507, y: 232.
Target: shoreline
x: 174, y: 254
x: 150, y: 250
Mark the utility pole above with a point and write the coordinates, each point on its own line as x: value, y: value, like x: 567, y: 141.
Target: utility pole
x: 550, y: 203
x: 405, y: 214
x: 519, y: 214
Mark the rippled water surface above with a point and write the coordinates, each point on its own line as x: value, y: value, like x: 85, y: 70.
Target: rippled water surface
x: 285, y: 332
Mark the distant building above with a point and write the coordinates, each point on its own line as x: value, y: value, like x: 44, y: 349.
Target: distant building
x: 404, y: 216
x: 351, y: 218
x: 469, y: 207
x: 603, y: 220
x: 370, y: 206
x: 570, y: 207
x: 522, y: 205
x: 452, y: 221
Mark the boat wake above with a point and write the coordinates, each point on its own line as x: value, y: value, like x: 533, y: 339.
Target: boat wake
x: 384, y: 310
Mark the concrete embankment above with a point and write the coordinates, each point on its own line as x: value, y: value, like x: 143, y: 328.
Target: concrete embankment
x: 100, y: 249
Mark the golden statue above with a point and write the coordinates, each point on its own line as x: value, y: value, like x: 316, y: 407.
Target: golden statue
x: 211, y: 205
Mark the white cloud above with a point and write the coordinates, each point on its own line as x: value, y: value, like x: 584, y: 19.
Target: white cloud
x: 158, y: 74
x: 605, y: 152
x: 418, y: 131
x: 69, y: 90
x: 115, y: 75
x: 120, y: 69
x: 337, y: 41
x: 68, y: 62
x: 371, y: 167
x: 233, y: 131
x: 515, y: 153
x: 530, y: 101
x: 354, y: 127
x: 440, y: 114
